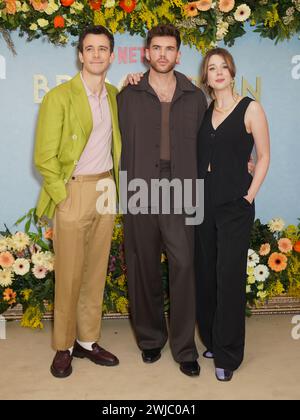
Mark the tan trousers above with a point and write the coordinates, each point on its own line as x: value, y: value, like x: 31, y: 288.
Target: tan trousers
x: 82, y: 240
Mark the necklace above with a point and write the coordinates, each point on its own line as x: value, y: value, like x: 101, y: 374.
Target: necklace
x: 224, y: 110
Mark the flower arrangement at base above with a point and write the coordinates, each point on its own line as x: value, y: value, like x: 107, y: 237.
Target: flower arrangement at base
x: 115, y: 293
x: 27, y: 270
x: 201, y: 23
x: 273, y: 267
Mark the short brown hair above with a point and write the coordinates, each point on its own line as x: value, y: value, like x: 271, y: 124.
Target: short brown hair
x: 163, y: 30
x: 96, y: 30
x: 204, y: 66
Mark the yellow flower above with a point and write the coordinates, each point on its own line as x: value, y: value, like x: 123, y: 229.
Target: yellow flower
x: 43, y: 23
x: 251, y: 279
x: 122, y: 305
x: 26, y: 294
x: 272, y: 17
x: 33, y: 27
x: 52, y: 7
x: 32, y: 318
x: 262, y: 295
x: 25, y: 8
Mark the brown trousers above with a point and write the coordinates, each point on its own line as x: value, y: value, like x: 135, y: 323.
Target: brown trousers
x: 82, y: 240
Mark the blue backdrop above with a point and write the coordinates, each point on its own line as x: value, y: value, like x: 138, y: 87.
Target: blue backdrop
x: 272, y: 73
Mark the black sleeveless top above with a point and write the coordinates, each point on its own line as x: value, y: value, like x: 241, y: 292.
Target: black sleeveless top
x: 228, y: 150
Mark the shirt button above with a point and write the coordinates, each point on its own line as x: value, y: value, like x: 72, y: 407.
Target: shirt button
x: 156, y: 166
x: 212, y: 135
x: 74, y: 137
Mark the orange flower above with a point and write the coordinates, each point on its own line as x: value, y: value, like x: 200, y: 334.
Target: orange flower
x: 285, y: 245
x: 191, y: 9
x: 39, y: 5
x: 226, y: 5
x: 204, y: 5
x: 297, y: 246
x: 95, y: 4
x: 277, y: 261
x: 9, y: 296
x: 264, y: 249
x: 59, y: 22
x: 11, y: 7
x: 66, y: 3
x: 128, y: 5
x: 6, y: 259
x: 48, y: 234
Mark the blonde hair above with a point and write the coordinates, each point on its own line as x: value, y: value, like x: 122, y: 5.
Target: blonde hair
x: 204, y: 67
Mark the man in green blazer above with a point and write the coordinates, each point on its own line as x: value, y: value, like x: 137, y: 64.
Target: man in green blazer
x: 78, y: 144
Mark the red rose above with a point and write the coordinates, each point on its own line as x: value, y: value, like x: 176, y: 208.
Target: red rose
x: 128, y: 5
x: 95, y: 4
x: 66, y: 3
x: 59, y: 22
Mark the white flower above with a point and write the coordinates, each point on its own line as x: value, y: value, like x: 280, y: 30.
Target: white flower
x: 222, y: 29
x: 242, y: 13
x: 76, y: 6
x: 48, y: 262
x: 43, y: 23
x: 261, y: 272
x: 21, y: 266
x: 39, y: 271
x: 6, y: 278
x: 20, y: 241
x: 38, y: 258
x: 63, y: 39
x: 3, y: 244
x: 253, y: 258
x: 276, y: 224
x: 248, y: 288
x: 33, y: 27
x: 110, y: 3
x: 52, y: 7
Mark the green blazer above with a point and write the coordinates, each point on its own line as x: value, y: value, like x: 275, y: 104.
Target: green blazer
x: 64, y: 127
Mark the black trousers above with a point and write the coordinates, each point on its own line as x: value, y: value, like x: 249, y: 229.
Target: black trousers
x: 222, y: 243
x: 145, y: 236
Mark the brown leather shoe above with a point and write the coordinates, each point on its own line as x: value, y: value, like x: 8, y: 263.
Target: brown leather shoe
x: 98, y: 355
x: 61, y: 366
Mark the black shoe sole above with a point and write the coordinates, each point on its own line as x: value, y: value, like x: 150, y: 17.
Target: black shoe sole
x: 61, y: 375
x: 82, y: 356
x: 190, y: 373
x: 152, y: 359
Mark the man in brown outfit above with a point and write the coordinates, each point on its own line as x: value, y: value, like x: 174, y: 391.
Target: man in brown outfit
x: 159, y: 121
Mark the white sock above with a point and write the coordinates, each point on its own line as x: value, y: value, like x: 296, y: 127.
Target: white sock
x: 220, y: 373
x: 87, y: 345
x: 71, y: 350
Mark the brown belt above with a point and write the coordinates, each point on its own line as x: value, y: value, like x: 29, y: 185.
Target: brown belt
x: 94, y: 177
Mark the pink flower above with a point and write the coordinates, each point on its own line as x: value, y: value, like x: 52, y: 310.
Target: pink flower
x: 39, y: 271
x: 285, y: 245
x: 6, y: 259
x: 264, y: 249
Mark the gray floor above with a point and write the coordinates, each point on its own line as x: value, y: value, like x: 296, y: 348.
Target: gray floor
x: 271, y: 369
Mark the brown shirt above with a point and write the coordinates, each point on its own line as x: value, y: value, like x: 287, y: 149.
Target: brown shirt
x: 165, y: 153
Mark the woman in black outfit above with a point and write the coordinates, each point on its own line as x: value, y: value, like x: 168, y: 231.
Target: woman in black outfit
x: 231, y: 127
